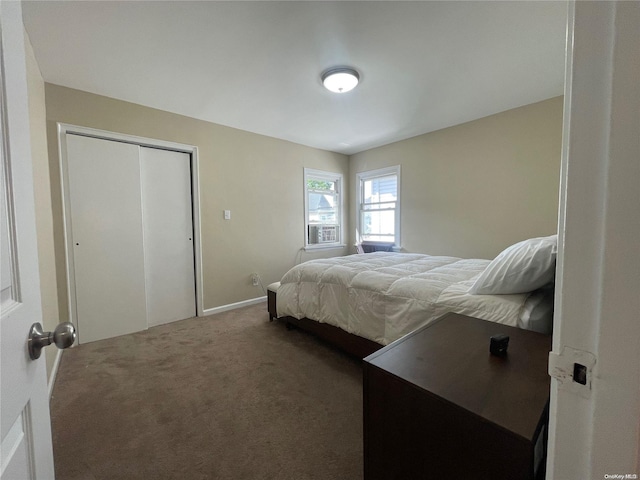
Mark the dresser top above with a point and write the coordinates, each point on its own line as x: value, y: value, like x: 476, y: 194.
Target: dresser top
x: 450, y: 359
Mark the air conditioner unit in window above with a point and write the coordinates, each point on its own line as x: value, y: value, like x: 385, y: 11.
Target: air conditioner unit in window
x: 323, y: 234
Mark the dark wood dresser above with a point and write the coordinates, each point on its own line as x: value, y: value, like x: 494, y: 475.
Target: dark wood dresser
x: 438, y: 405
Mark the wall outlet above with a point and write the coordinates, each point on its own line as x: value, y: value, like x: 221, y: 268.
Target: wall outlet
x: 255, y: 279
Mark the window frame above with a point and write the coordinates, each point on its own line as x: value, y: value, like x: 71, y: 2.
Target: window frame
x: 338, y: 179
x: 362, y: 177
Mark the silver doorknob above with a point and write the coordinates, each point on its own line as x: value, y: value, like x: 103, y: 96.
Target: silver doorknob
x: 63, y: 336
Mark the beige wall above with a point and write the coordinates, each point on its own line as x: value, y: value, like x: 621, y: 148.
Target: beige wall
x: 468, y: 190
x: 42, y: 199
x: 473, y: 189
x: 258, y: 178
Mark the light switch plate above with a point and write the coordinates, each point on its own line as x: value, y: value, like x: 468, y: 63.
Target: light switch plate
x: 227, y: 214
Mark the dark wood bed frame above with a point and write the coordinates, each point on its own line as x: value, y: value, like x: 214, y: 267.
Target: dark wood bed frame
x: 352, y: 344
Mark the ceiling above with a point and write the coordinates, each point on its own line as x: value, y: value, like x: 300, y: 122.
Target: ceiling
x: 256, y: 65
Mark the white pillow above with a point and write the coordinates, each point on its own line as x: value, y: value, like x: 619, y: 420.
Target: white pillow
x: 520, y: 268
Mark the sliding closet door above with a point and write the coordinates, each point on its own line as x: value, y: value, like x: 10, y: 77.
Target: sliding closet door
x: 106, y: 229
x: 168, y: 235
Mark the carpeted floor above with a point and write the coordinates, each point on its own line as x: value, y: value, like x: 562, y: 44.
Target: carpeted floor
x: 229, y: 396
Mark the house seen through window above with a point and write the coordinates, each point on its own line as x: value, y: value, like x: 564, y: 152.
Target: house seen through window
x: 323, y: 208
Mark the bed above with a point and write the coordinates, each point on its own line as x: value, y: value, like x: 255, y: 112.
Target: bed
x: 363, y: 302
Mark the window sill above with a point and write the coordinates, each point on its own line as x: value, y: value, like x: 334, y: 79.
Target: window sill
x: 311, y: 248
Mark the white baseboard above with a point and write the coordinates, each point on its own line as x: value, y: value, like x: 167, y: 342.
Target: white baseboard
x: 54, y: 372
x: 232, y: 306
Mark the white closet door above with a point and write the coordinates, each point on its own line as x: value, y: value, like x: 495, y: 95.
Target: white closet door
x: 168, y: 235
x: 106, y: 223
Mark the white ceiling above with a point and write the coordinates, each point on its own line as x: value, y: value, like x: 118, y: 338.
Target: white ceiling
x: 256, y: 65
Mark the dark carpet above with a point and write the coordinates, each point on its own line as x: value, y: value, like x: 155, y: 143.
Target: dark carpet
x: 229, y: 396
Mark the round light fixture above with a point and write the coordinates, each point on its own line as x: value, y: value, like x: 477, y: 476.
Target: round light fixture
x: 340, y: 80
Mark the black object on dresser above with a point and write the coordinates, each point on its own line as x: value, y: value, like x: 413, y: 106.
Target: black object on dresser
x: 438, y: 405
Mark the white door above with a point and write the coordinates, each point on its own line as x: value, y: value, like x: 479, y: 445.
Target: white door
x: 25, y: 431
x: 106, y: 233
x: 131, y: 235
x: 168, y: 235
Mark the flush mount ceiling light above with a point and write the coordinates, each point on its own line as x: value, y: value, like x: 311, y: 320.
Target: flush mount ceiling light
x: 340, y: 80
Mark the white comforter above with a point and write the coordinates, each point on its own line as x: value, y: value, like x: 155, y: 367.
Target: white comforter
x: 383, y: 296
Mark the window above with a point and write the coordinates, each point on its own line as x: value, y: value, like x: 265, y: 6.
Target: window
x: 379, y: 206
x: 323, y: 209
